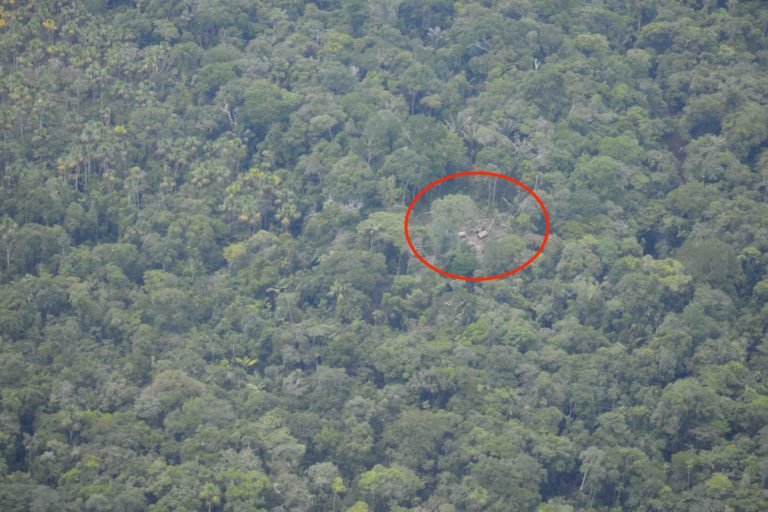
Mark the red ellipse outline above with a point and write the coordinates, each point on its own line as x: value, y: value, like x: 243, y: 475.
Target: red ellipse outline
x: 476, y: 172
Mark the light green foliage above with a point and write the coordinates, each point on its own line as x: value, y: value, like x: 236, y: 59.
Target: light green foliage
x: 603, y: 175
x: 392, y: 484
x: 719, y: 485
x: 746, y: 129
x: 448, y: 216
x: 206, y: 299
x: 623, y: 148
x: 350, y: 182
x: 381, y: 230
x: 504, y: 254
x: 245, y: 489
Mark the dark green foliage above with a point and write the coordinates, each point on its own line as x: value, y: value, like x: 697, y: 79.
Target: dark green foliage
x: 206, y: 299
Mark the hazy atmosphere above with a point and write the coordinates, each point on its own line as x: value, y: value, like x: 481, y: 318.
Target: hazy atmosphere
x: 207, y: 301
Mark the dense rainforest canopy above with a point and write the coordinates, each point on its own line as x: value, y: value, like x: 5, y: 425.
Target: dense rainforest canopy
x: 207, y: 303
